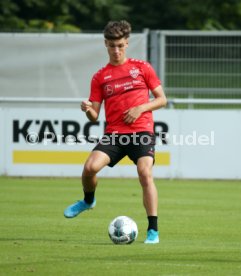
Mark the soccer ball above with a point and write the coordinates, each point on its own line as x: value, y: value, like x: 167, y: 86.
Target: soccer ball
x: 123, y: 230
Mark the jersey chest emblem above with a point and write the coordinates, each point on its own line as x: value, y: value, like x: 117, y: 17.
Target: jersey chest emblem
x: 134, y: 72
x: 108, y: 90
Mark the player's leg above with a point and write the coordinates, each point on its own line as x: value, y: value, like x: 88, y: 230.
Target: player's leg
x: 142, y: 152
x: 96, y: 161
x: 106, y: 152
x: 150, y: 197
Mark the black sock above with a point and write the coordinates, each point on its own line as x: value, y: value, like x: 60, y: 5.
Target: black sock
x: 89, y: 197
x: 152, y: 223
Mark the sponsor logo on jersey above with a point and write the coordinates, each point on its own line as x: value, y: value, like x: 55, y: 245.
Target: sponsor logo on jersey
x: 108, y: 90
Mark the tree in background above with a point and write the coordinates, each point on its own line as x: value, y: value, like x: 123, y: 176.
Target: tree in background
x: 58, y: 15
x: 92, y: 15
x: 210, y: 14
x: 185, y: 14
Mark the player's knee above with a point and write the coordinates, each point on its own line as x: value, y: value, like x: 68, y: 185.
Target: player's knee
x: 90, y: 169
x: 145, y: 175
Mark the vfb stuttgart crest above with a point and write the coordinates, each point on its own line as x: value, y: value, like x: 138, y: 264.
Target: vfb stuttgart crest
x: 134, y: 72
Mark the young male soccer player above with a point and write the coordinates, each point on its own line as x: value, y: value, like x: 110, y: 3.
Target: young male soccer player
x: 123, y: 85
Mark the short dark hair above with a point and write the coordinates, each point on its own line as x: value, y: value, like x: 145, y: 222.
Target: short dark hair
x: 117, y: 30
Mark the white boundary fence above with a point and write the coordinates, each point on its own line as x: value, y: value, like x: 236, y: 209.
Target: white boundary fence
x: 171, y: 102
x: 190, y: 143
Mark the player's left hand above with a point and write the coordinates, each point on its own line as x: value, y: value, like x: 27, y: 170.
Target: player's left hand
x: 132, y: 114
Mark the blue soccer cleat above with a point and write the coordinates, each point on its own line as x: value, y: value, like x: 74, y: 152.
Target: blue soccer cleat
x: 77, y: 208
x: 152, y: 237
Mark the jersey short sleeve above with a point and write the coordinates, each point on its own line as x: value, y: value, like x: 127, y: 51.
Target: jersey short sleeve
x: 151, y: 77
x: 95, y: 92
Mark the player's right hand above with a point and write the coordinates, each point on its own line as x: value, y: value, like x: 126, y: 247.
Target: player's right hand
x: 85, y: 106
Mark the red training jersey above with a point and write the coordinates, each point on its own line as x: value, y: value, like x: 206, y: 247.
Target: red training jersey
x: 122, y: 87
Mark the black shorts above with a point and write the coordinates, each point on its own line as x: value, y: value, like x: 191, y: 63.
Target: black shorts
x: 134, y: 145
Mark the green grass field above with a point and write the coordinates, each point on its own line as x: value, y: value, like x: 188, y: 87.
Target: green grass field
x: 199, y: 224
